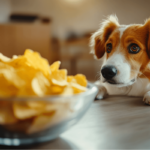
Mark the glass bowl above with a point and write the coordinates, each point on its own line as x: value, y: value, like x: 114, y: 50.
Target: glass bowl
x: 70, y: 110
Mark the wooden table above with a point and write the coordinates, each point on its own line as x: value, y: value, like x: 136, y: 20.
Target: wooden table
x: 113, y: 123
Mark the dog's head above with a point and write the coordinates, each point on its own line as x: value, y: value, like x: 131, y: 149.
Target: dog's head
x: 125, y: 50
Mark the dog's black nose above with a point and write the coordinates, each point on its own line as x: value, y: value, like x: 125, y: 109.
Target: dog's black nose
x: 108, y: 72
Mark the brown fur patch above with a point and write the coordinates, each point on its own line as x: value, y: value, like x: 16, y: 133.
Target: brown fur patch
x: 114, y: 39
x: 99, y: 48
x: 101, y: 39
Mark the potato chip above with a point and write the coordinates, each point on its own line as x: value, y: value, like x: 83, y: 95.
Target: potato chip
x: 40, y: 122
x: 56, y: 89
x: 78, y: 83
x: 59, y: 77
x: 19, y: 62
x: 51, y: 107
x: 14, y: 57
x: 36, y: 104
x: 5, y: 85
x: 4, y: 58
x: 68, y: 91
x: 26, y: 76
x: 71, y: 79
x: 11, y: 76
x: 23, y: 111
x: 35, y: 60
x: 52, y: 116
x: 55, y: 66
x: 81, y: 80
x: 29, y: 109
x: 40, y: 84
x: 37, y: 88
x: 5, y: 66
x: 30, y: 74
x: 78, y: 88
x: 6, y: 114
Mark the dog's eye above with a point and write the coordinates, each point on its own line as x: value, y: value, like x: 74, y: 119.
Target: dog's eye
x: 108, y: 47
x: 134, y: 48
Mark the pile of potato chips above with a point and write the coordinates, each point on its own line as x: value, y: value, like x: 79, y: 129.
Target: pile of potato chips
x: 31, y: 75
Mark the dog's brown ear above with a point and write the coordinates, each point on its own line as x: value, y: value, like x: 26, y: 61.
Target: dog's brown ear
x: 147, y: 30
x: 99, y: 38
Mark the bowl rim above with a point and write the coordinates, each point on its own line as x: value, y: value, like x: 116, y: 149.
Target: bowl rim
x: 91, y: 88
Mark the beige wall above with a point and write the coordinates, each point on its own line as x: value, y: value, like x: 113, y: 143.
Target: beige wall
x: 5, y: 9
x: 84, y: 15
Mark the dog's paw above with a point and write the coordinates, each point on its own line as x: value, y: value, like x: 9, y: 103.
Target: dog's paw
x: 146, y: 98
x: 102, y: 93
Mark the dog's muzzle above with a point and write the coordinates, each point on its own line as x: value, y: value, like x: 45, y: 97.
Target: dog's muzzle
x: 108, y: 72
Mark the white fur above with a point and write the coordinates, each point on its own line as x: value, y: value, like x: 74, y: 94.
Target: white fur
x: 122, y: 28
x: 146, y: 98
x: 139, y: 88
x: 119, y: 62
x: 102, y: 90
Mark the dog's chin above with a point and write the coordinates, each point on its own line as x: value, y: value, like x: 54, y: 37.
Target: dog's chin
x: 117, y: 84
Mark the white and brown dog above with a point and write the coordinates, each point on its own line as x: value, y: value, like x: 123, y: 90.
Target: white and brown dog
x: 125, y: 54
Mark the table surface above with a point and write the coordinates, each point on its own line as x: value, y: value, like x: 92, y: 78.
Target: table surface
x: 113, y: 123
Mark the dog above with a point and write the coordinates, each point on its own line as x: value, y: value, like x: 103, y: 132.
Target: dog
x: 124, y: 51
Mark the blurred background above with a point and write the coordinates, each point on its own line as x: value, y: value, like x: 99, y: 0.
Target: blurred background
x: 60, y: 29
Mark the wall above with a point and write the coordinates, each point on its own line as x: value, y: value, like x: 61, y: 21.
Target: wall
x: 5, y: 9
x: 84, y: 15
